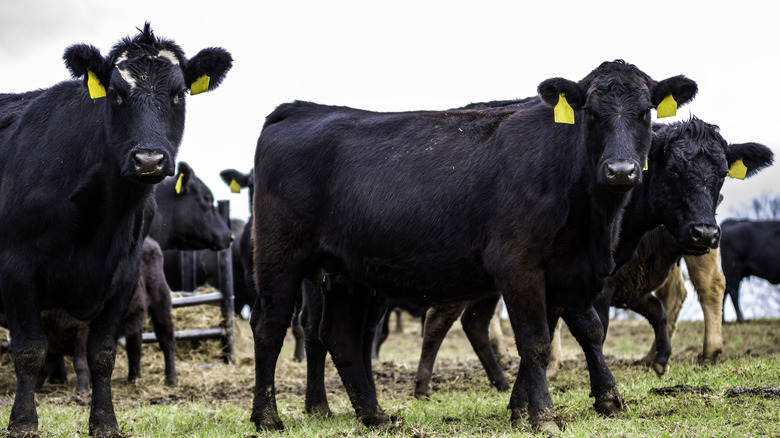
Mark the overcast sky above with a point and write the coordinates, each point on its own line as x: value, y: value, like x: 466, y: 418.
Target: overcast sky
x: 408, y: 55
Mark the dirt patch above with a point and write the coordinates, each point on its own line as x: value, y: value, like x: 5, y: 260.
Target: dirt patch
x: 204, y: 377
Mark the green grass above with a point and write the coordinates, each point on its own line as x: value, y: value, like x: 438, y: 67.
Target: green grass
x: 464, y: 405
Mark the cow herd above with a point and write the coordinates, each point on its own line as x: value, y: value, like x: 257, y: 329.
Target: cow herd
x: 562, y: 205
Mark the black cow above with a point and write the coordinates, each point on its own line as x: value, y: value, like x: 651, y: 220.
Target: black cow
x: 683, y: 198
x: 77, y: 166
x: 247, y: 295
x: 187, y: 218
x: 441, y: 206
x: 749, y: 248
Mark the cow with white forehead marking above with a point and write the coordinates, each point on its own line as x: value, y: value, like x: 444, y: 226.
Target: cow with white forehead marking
x: 78, y: 164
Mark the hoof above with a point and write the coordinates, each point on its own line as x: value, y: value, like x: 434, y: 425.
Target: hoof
x: 172, y: 382
x: 322, y: 410
x: 502, y: 386
x: 374, y: 420
x: 660, y: 369
x: 608, y: 407
x: 268, y: 424
x: 423, y: 396
x: 548, y: 427
x: 105, y: 433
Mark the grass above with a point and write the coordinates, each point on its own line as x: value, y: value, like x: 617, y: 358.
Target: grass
x: 215, y: 401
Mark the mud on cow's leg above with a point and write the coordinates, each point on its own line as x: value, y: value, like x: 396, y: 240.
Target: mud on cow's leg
x: 588, y: 330
x: 29, y: 352
x: 530, y: 401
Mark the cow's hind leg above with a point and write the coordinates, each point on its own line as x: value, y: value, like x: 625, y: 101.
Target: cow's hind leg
x: 343, y: 331
x: 271, y: 316
x: 438, y: 321
x: 28, y: 346
x: 316, y: 353
x: 651, y: 308
x: 476, y: 324
x: 588, y: 330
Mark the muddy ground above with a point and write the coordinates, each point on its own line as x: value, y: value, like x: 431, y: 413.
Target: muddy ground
x: 204, y: 377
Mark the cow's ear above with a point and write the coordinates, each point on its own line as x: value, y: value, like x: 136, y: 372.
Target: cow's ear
x: 182, y: 178
x: 679, y: 87
x: 746, y: 159
x: 550, y: 91
x: 85, y: 61
x: 235, y: 179
x: 205, y: 71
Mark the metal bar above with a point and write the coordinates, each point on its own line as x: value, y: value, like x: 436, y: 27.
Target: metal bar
x: 190, y: 334
x: 226, y: 287
x: 194, y: 300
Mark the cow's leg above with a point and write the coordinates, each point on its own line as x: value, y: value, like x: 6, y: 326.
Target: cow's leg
x: 732, y: 290
x: 270, y: 318
x: 476, y: 322
x: 555, y: 353
x: 80, y: 365
x: 381, y: 335
x: 316, y: 353
x: 343, y: 329
x: 28, y: 347
x: 524, y: 296
x: 162, y: 321
x: 587, y: 328
x: 651, y: 308
x: 133, y: 344
x: 497, y: 341
x: 438, y: 321
x: 101, y: 352
x: 672, y: 294
x: 297, y: 331
x: 710, y: 284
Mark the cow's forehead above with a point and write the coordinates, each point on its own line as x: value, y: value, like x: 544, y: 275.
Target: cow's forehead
x: 125, y: 64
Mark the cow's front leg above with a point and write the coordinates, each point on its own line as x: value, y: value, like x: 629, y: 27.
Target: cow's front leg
x: 588, y: 330
x: 101, y: 354
x: 311, y: 315
x: 530, y: 400
x: 28, y: 346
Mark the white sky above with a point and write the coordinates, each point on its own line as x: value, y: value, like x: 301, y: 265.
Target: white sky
x: 408, y: 55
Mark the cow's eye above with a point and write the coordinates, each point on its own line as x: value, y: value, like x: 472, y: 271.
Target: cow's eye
x: 115, y: 97
x: 644, y: 116
x: 178, y: 97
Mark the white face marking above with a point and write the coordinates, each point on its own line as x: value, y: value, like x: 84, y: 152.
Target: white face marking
x: 167, y: 54
x: 124, y: 73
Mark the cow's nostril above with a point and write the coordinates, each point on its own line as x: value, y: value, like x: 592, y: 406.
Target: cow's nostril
x: 148, y: 162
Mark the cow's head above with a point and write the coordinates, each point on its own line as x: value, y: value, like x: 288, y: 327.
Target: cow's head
x: 186, y: 217
x: 142, y: 85
x: 688, y: 164
x: 614, y: 103
x: 237, y: 180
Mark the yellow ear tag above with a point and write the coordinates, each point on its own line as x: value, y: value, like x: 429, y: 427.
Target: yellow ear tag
x: 96, y: 90
x: 564, y: 113
x: 667, y: 107
x: 235, y: 187
x: 738, y: 170
x: 645, y: 168
x: 177, y: 187
x: 200, y: 85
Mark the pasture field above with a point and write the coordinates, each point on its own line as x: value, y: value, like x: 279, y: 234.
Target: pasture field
x: 214, y: 400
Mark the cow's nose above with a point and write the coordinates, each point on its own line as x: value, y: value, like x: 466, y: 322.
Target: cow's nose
x: 704, y: 235
x: 149, y: 163
x: 621, y: 173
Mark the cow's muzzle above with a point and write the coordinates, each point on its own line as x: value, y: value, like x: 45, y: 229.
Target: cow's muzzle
x: 621, y: 173
x: 150, y: 163
x: 704, y: 236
